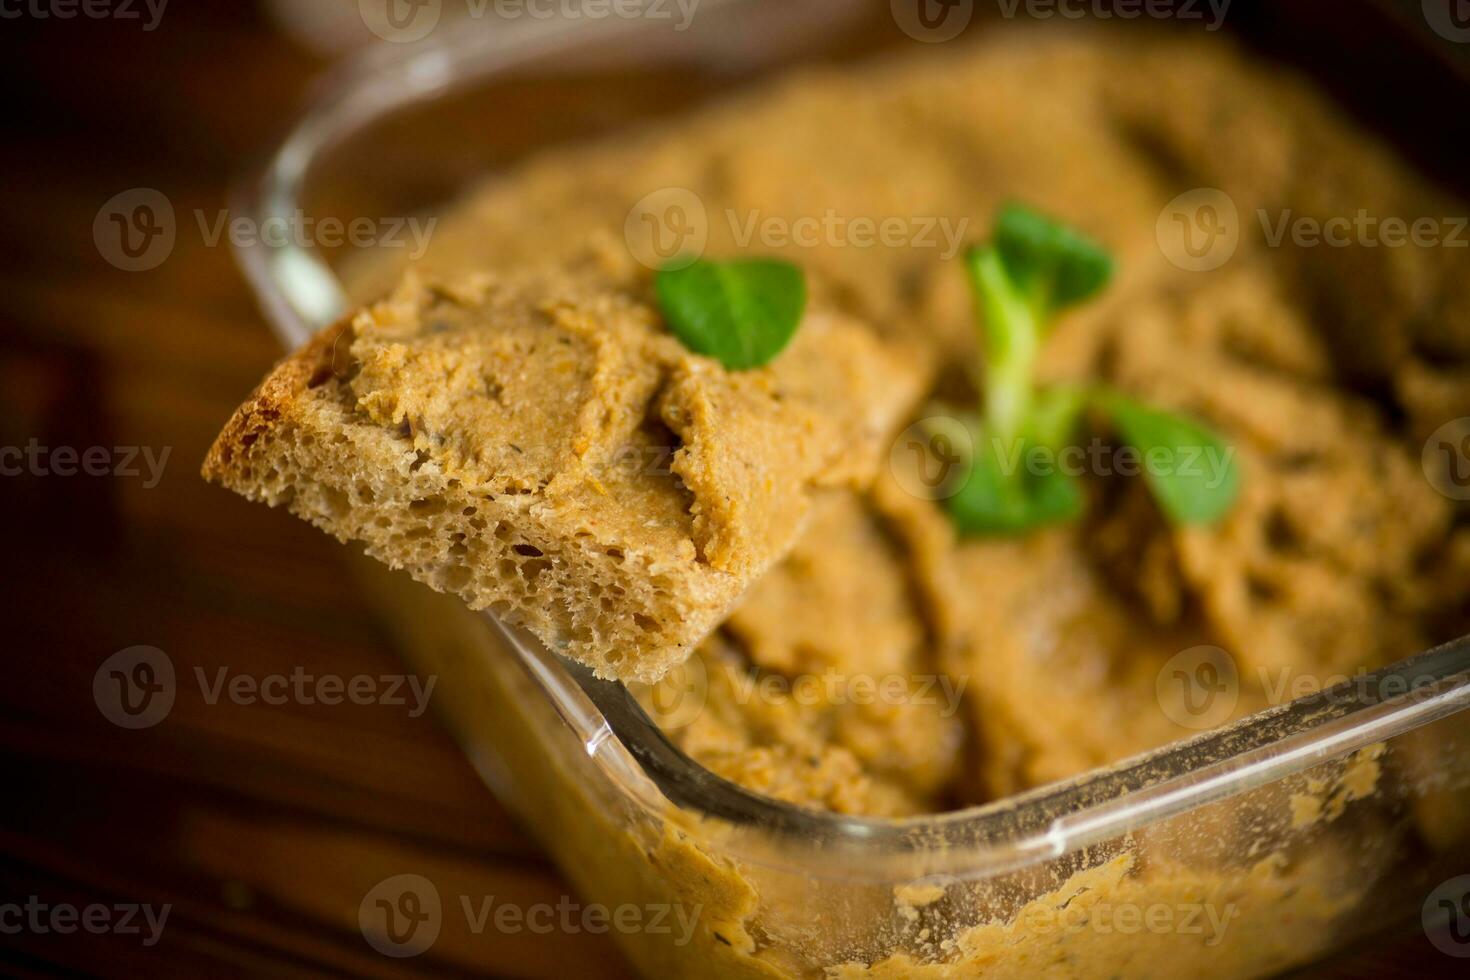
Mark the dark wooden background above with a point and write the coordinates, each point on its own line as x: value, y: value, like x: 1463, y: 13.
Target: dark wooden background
x: 262, y: 826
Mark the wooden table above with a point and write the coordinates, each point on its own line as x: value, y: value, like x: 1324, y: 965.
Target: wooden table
x: 262, y: 826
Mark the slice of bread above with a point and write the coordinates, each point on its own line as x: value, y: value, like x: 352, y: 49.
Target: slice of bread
x: 538, y: 444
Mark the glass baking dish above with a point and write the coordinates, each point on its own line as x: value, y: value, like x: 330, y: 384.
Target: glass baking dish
x: 1245, y: 851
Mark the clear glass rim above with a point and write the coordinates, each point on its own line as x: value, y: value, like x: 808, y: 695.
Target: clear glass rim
x: 300, y: 294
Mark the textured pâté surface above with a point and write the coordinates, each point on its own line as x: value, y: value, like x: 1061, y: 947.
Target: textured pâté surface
x: 537, y: 443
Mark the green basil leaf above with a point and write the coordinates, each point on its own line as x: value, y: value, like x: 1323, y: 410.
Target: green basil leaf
x: 994, y: 500
x: 1051, y: 263
x: 1192, y: 471
x: 742, y: 313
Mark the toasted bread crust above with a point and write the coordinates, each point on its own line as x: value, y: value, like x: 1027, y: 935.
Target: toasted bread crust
x: 271, y: 403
